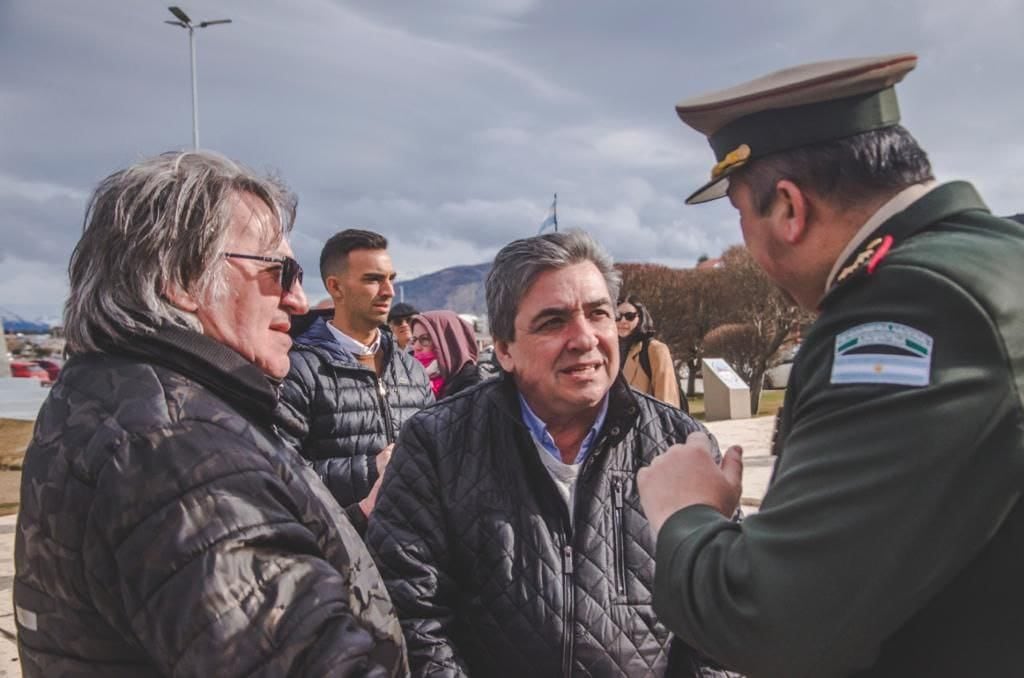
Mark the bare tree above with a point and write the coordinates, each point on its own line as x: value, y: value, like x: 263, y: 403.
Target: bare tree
x: 686, y: 304
x: 762, y: 316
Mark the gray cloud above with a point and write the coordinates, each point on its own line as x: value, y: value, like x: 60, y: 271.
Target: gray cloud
x: 448, y: 125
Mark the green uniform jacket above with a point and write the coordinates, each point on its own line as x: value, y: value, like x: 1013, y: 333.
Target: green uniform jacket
x: 891, y: 540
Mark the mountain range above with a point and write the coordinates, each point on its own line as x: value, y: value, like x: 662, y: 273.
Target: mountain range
x: 458, y: 288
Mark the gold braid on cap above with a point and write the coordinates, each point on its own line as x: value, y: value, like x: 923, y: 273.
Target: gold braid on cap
x: 734, y: 158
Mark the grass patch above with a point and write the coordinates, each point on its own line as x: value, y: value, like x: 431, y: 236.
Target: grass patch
x: 697, y: 406
x: 15, y: 436
x: 771, y: 401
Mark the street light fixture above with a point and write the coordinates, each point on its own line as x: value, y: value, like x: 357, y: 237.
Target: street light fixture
x: 184, y: 21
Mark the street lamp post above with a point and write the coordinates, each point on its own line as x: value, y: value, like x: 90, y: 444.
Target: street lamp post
x: 184, y: 21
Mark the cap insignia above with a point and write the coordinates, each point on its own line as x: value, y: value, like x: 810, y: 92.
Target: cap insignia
x: 734, y: 158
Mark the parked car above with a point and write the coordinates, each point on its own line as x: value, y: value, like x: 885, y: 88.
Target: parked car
x: 51, y: 365
x: 778, y: 376
x: 27, y: 370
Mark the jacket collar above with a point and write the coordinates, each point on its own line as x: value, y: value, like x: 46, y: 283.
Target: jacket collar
x: 210, y: 363
x: 623, y: 407
x: 899, y: 202
x: 319, y: 335
x: 937, y: 205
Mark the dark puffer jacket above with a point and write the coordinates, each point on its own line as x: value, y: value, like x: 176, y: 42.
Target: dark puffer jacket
x: 166, y: 530
x: 489, y: 575
x: 349, y: 414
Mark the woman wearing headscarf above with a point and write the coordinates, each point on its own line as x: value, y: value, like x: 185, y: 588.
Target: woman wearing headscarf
x: 446, y: 346
x: 646, y: 362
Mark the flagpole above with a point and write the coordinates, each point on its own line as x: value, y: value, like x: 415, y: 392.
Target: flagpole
x: 554, y: 206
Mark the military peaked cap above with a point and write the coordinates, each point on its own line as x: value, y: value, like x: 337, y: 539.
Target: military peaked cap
x: 791, y: 108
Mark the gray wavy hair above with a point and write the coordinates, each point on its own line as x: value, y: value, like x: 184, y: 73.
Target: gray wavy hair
x: 161, y: 222
x: 519, y: 263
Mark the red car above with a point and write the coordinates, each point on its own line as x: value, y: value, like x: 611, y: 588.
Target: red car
x: 30, y: 371
x: 51, y: 366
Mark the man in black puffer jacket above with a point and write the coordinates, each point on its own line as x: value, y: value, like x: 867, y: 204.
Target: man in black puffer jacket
x: 165, y: 529
x: 348, y: 386
x: 508, y: 528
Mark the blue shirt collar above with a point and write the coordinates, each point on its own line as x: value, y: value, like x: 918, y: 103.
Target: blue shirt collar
x: 539, y: 430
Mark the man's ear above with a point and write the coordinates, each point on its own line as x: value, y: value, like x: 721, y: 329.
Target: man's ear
x: 180, y: 298
x: 790, y: 212
x: 333, y: 287
x: 503, y: 356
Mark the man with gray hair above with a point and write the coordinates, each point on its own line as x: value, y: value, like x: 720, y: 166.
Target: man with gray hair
x: 508, y: 528
x: 164, y: 527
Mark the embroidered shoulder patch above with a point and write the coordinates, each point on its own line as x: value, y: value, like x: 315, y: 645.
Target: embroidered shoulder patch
x: 883, y: 353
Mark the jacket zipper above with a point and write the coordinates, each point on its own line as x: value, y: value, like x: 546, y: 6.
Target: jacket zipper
x: 385, y: 411
x: 568, y: 612
x: 619, y: 545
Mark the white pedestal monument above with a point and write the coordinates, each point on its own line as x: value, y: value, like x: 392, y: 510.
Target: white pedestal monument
x: 726, y: 396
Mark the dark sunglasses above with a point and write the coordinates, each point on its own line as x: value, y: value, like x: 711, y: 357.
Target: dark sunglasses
x: 628, y: 315
x: 290, y: 269
x: 422, y: 339
x: 398, y: 322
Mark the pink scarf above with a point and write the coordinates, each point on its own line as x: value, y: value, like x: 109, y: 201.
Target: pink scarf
x: 453, y: 338
x: 429, y: 361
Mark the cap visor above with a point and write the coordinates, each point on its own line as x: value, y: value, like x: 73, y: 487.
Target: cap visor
x: 713, y: 190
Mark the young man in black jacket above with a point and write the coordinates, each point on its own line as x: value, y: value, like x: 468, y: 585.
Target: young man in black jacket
x: 508, y: 527
x: 350, y: 387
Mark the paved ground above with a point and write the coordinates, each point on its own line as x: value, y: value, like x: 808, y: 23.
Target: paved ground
x: 21, y: 398
x: 8, y: 650
x: 754, y: 435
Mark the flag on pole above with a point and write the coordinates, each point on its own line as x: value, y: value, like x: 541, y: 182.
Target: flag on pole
x: 552, y: 218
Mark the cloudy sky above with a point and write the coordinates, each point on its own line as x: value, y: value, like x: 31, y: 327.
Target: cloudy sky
x: 448, y: 124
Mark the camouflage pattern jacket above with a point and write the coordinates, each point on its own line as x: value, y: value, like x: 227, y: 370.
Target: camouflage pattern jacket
x: 166, y: 530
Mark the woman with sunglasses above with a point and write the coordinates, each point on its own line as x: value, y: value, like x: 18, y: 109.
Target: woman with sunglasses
x: 446, y: 346
x: 646, y: 362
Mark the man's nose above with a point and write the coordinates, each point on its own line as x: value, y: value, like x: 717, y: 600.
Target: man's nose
x: 582, y: 335
x: 294, y: 301
x: 387, y: 288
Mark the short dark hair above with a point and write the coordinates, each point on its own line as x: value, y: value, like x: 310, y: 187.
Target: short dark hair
x: 518, y: 264
x: 334, y: 254
x: 844, y: 171
x: 402, y: 310
x: 644, y: 328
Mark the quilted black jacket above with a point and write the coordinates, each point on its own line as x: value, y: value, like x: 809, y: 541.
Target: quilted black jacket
x: 165, y: 530
x: 489, y: 575
x: 347, y: 412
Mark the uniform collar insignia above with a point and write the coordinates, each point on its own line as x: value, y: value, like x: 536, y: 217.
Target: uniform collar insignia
x: 940, y: 203
x: 867, y: 258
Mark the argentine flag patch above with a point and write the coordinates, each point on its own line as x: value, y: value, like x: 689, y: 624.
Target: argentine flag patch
x: 883, y: 353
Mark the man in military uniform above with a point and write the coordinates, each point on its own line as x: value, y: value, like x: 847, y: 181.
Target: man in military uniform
x: 891, y: 539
